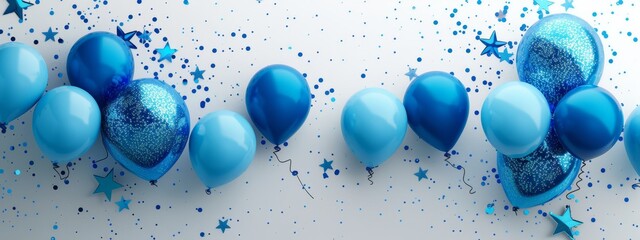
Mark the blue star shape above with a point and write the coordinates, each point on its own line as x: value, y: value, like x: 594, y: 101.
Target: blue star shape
x: 16, y: 6
x: 505, y: 55
x: 567, y: 4
x: 126, y: 37
x: 123, y: 204
x: 411, y: 73
x: 223, y: 225
x: 565, y: 223
x: 106, y: 184
x: 421, y: 174
x: 543, y: 4
x: 197, y: 74
x: 491, y: 45
x: 326, y: 165
x: 50, y: 35
x: 166, y: 53
x: 144, y: 36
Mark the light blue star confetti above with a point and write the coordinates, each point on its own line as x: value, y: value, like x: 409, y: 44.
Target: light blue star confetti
x: 123, y: 204
x: 127, y: 37
x: 166, y: 53
x: 16, y: 6
x: 197, y: 74
x: 223, y: 225
x: 565, y: 223
x: 50, y: 35
x: 543, y: 4
x: 567, y: 4
x: 491, y: 45
x: 106, y: 184
x: 505, y: 55
x: 326, y: 165
x: 421, y: 174
x: 411, y: 73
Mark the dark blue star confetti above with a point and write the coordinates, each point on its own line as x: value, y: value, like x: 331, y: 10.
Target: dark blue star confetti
x: 127, y: 37
x: 16, y: 6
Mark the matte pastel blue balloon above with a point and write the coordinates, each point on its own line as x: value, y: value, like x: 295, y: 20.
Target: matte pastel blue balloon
x: 101, y: 63
x: 278, y: 101
x: 66, y: 123
x: 374, y: 123
x: 23, y: 78
x: 632, y: 139
x: 437, y: 107
x: 221, y: 147
x: 559, y: 53
x: 146, y: 128
x: 515, y: 118
x: 588, y: 121
x: 538, y: 177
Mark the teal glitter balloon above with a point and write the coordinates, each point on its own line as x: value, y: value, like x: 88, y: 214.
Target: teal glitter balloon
x: 559, y: 53
x: 146, y: 128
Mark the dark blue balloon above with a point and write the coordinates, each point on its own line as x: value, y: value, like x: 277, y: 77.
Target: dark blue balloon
x: 588, y: 121
x: 437, y: 108
x: 101, y: 64
x: 146, y: 127
x: 538, y: 177
x: 278, y: 101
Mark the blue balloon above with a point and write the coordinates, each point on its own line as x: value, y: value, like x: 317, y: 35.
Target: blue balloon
x: 515, y: 117
x: 278, y: 101
x: 146, y: 128
x: 538, y: 177
x: 101, y: 64
x: 632, y: 139
x: 23, y: 78
x: 559, y: 53
x: 374, y: 123
x: 66, y: 123
x: 588, y: 121
x: 221, y: 147
x: 437, y: 107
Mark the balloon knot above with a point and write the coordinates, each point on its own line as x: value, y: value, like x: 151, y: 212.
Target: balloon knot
x: 515, y: 210
x: 208, y: 191
x: 3, y: 127
x: 277, y: 148
x: 154, y: 183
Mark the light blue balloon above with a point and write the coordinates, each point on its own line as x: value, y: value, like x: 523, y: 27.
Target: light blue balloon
x: 66, y: 123
x: 374, y: 123
x: 515, y: 118
x: 221, y: 147
x: 632, y: 139
x: 23, y: 78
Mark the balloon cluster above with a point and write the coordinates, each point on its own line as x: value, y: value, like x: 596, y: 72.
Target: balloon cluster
x: 544, y: 126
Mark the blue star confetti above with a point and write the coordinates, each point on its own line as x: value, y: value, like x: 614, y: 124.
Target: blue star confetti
x: 166, y: 53
x: 223, y: 225
x: 197, y: 74
x: 491, y: 45
x: 123, y: 204
x: 411, y: 73
x: 106, y: 184
x: 565, y: 223
x: 543, y: 4
x: 421, y: 174
x: 567, y: 5
x: 50, y: 35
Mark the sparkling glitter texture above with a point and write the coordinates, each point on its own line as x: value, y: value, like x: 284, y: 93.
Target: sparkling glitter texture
x: 146, y: 128
x: 559, y: 53
x: 537, y: 177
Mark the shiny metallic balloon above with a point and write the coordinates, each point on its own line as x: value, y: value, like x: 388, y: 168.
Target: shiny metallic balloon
x: 538, y: 177
x: 146, y: 128
x: 559, y: 53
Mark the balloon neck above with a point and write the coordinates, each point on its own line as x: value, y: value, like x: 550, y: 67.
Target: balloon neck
x: 154, y: 183
x: 3, y: 127
x: 208, y: 191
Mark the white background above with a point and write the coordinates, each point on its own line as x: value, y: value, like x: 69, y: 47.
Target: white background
x: 339, y: 41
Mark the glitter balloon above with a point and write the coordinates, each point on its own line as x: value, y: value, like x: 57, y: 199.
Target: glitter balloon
x: 146, y: 127
x: 538, y: 177
x: 559, y: 53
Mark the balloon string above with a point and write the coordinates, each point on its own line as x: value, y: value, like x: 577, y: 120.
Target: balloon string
x: 62, y: 174
x: 3, y: 127
x: 464, y: 172
x: 579, y: 179
x: 104, y: 158
x: 277, y: 149
x: 370, y: 171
